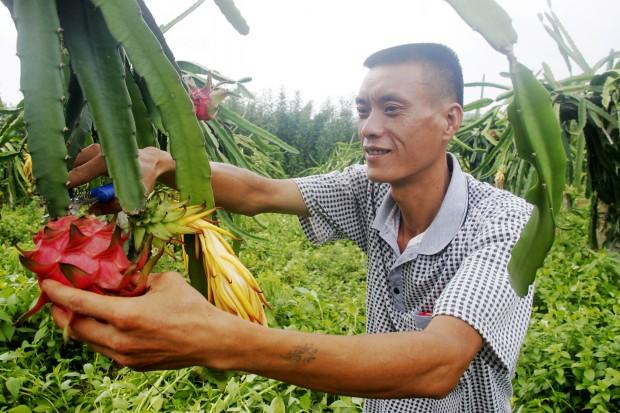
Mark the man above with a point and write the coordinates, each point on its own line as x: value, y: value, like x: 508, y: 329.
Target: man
x: 444, y: 325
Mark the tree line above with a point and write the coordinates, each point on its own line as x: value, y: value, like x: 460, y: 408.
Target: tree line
x: 313, y: 132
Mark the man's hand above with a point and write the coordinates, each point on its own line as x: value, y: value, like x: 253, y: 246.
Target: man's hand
x: 171, y: 326
x: 235, y: 189
x: 88, y: 165
x: 154, y: 164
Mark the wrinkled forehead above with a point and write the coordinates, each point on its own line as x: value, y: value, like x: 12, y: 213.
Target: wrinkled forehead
x: 410, y: 79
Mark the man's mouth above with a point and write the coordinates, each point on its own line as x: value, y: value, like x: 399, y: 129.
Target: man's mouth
x: 376, y: 151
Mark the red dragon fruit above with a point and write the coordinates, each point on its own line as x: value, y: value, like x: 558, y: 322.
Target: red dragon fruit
x: 206, y: 100
x: 85, y: 253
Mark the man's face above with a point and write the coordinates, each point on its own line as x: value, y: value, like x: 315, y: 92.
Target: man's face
x: 402, y: 122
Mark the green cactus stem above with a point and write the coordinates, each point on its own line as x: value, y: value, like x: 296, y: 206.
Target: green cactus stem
x: 39, y: 50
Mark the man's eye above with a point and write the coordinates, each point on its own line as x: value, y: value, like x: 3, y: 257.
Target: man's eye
x: 391, y: 109
x: 362, y: 112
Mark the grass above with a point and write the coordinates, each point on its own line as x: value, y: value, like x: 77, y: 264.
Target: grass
x: 567, y: 361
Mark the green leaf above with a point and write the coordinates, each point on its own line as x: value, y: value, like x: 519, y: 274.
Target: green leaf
x: 39, y: 50
x: 145, y: 134
x: 41, y: 333
x: 192, y: 67
x: 249, y: 127
x: 609, y: 59
x: 152, y: 24
x: 306, y: 401
x: 13, y: 385
x: 612, y: 84
x: 477, y: 104
x: 490, y: 20
x: 568, y: 43
x: 11, y: 127
x: 196, y: 273
x: 79, y: 135
x: 487, y: 84
x: 9, y: 5
x: 538, y: 140
x: 181, y: 16
x: 235, y: 229
x: 5, y: 317
x: 101, y: 74
x: 582, y: 114
x: 589, y: 374
x: 549, y: 76
x: 8, y: 154
x: 233, y: 15
x: 226, y: 138
x: 20, y: 409
x: 277, y: 405
x: 535, y: 241
x: 193, y: 174
x: 198, y: 69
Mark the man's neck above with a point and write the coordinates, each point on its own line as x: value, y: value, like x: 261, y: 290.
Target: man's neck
x: 419, y: 200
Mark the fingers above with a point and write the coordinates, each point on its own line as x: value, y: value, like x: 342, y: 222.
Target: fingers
x: 84, y: 328
x: 100, y: 337
x: 85, y: 172
x: 86, y: 154
x: 159, y: 281
x: 105, y: 208
x: 82, y: 302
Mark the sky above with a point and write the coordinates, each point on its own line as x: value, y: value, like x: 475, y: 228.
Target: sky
x: 317, y: 47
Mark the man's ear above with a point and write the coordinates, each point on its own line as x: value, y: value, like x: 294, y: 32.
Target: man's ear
x: 454, y: 118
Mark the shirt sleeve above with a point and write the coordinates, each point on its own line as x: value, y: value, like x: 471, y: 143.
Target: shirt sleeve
x: 337, y: 203
x: 480, y: 292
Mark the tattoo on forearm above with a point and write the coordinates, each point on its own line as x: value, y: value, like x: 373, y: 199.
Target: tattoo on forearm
x: 301, y: 354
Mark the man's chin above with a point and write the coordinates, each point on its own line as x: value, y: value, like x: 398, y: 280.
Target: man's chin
x: 378, y: 177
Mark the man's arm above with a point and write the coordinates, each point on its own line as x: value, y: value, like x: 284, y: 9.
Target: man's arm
x: 173, y: 326
x: 388, y: 365
x: 235, y: 189
x: 245, y: 192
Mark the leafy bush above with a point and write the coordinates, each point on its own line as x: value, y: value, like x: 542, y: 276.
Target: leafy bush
x: 18, y: 225
x: 310, y: 289
x: 569, y: 362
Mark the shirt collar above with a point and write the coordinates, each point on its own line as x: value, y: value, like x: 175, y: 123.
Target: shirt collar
x: 446, y: 223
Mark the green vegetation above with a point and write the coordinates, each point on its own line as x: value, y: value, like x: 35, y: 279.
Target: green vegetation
x: 568, y: 362
x: 313, y: 132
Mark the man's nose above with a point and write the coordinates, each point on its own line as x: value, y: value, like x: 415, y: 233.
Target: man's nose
x: 371, y: 127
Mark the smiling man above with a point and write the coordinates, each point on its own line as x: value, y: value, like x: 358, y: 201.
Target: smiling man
x: 444, y: 327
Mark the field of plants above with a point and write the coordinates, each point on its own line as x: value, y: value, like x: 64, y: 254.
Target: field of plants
x: 100, y: 71
x: 569, y: 362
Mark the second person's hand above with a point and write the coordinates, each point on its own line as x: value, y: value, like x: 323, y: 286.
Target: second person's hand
x: 154, y: 164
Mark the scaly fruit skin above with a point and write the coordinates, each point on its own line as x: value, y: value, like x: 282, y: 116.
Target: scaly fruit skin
x: 85, y: 253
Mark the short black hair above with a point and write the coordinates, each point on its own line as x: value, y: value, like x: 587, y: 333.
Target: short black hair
x: 440, y: 57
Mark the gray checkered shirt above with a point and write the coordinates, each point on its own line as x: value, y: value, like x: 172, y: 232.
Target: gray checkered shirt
x: 459, y: 268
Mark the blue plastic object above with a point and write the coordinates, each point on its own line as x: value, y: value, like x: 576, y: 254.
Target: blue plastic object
x: 103, y: 193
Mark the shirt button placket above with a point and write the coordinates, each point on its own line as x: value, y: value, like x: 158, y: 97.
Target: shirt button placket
x: 395, y: 281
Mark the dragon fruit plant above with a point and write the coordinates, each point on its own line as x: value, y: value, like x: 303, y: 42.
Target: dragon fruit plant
x: 537, y: 137
x: 100, y: 70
